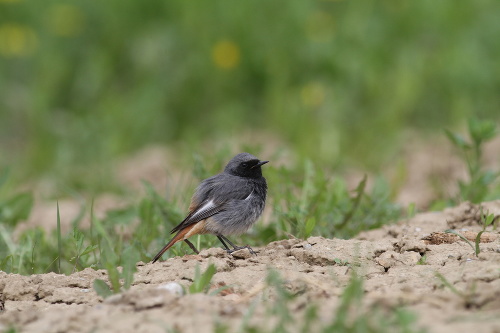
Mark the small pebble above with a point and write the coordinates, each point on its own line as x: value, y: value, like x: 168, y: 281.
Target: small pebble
x: 173, y: 288
x: 114, y: 299
x: 241, y: 254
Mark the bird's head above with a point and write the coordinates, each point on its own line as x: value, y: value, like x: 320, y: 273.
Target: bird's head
x: 245, y: 165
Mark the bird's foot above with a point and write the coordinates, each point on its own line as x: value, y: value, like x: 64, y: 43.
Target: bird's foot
x: 236, y: 248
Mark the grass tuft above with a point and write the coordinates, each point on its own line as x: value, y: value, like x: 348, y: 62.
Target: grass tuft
x: 480, y: 181
x: 201, y: 281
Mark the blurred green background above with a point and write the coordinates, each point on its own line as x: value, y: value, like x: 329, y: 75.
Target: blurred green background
x: 83, y: 82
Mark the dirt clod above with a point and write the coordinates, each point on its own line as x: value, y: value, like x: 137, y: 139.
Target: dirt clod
x: 439, y: 237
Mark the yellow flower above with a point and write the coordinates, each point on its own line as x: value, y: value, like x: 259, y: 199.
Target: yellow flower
x: 226, y: 54
x: 66, y: 20
x: 16, y: 40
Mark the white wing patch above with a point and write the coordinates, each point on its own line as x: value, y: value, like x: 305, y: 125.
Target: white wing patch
x: 249, y: 196
x: 209, y: 205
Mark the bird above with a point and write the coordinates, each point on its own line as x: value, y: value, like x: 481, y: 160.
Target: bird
x: 228, y: 203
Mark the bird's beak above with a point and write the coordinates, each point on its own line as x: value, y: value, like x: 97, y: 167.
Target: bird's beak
x: 259, y: 164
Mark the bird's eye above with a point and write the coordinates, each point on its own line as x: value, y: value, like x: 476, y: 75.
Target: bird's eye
x: 245, y: 164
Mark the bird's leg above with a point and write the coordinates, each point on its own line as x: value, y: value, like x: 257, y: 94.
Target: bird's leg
x: 223, y: 243
x: 235, y: 248
x: 192, y: 246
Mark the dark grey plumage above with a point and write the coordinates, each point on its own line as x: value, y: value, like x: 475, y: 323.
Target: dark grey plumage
x: 226, y: 204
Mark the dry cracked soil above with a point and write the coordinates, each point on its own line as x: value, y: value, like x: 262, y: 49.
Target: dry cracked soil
x: 399, y: 264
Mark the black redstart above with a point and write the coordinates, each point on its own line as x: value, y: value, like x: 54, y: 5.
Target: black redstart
x: 226, y: 204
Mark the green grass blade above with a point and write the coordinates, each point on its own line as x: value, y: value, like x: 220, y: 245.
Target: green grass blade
x: 360, y: 190
x: 309, y: 227
x: 449, y: 285
x: 88, y: 249
x: 7, y: 238
x: 101, y: 288
x: 477, y: 241
x: 451, y: 231
x: 17, y: 208
x: 114, y: 277
x: 488, y: 219
x: 202, y: 281
x: 59, y: 241
x: 457, y: 140
x: 130, y: 258
x: 249, y: 313
x: 206, y: 277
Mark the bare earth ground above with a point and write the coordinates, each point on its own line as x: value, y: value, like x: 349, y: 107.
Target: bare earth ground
x: 390, y: 260
x: 397, y: 262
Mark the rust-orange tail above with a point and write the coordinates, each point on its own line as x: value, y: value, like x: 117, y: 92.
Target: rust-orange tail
x: 177, y: 238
